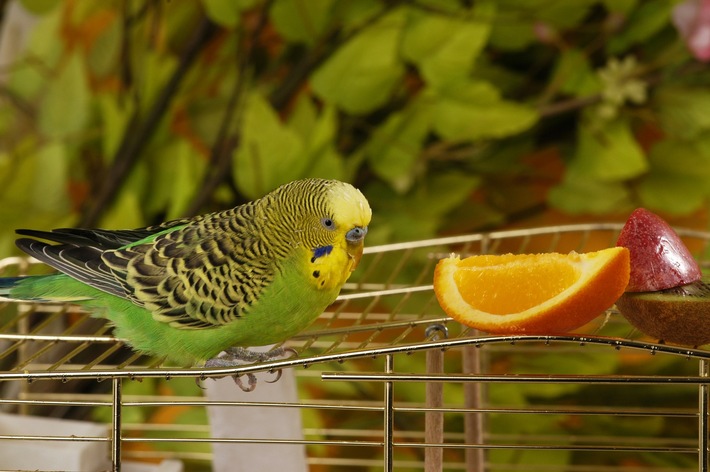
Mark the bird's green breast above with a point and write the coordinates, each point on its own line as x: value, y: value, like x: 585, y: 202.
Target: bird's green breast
x: 286, y: 307
x: 289, y: 305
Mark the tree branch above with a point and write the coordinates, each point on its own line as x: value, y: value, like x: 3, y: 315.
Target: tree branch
x: 226, y: 143
x: 300, y: 73
x: 140, y: 129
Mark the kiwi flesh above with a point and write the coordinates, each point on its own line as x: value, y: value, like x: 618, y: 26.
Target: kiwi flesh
x: 678, y: 315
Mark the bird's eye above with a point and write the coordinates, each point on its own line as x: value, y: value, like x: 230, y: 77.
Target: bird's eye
x: 328, y: 223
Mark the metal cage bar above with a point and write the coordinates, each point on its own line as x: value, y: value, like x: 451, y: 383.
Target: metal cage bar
x: 386, y: 314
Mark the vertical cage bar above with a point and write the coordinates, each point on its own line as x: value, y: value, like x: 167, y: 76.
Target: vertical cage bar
x: 473, y: 422
x: 116, y: 425
x: 389, y: 414
x: 23, y: 327
x: 434, y: 420
x: 704, y: 419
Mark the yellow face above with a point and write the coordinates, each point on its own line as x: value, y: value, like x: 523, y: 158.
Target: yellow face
x: 352, y: 217
x: 344, y: 228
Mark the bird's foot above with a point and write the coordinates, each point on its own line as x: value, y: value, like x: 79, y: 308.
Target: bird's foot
x: 245, y: 355
x: 236, y: 356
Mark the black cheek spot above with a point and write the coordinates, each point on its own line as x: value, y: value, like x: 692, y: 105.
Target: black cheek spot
x: 316, y: 273
x: 313, y: 259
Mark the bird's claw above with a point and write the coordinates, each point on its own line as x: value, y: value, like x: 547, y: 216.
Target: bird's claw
x: 278, y: 373
x: 250, y: 386
x: 238, y: 381
x: 199, y: 380
x: 293, y: 353
x: 235, y: 354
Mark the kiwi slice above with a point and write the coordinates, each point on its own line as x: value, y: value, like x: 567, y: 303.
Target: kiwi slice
x: 678, y: 315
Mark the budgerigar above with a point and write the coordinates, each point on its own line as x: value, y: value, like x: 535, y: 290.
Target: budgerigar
x: 188, y: 289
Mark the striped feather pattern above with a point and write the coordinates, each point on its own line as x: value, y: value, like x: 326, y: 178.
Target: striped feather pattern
x: 209, y: 270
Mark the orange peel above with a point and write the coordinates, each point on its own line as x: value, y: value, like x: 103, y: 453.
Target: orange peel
x: 548, y: 293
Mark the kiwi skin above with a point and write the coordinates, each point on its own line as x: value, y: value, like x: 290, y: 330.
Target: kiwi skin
x: 678, y: 315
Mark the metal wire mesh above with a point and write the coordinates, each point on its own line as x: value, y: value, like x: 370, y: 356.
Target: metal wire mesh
x: 421, y: 392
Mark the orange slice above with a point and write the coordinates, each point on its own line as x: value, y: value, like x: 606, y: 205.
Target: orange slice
x: 531, y: 293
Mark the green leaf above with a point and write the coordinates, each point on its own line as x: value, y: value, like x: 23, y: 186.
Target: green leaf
x: 394, y: 148
x: 674, y: 194
x: 227, y: 12
x: 448, y: 7
x: 513, y: 26
x: 683, y: 111
x: 104, y: 51
x: 270, y: 154
x: 559, y: 13
x: 467, y: 122
x: 477, y: 92
x: 476, y: 111
x: 609, y: 153
x: 389, y: 226
x: 8, y: 120
x: 153, y: 70
x: 114, y: 114
x: 419, y: 213
x: 473, y: 217
x: 49, y: 188
x: 65, y: 107
x: 355, y: 14
x: 491, y: 70
x: 176, y: 172
x: 29, y: 77
x: 328, y: 164
x: 323, y: 132
x: 127, y: 210
x: 363, y: 73
x: 511, y: 33
x: 24, y: 199
x: 620, y: 6
x: 320, y: 152
x: 644, y: 22
x: 301, y: 21
x: 679, y: 181
x: 574, y: 74
x: 303, y: 116
x: 702, y: 144
x: 40, y: 7
x: 579, y: 193
x: 690, y: 159
x: 443, y: 192
x: 444, y: 47
x: 318, y: 133
x: 43, y: 44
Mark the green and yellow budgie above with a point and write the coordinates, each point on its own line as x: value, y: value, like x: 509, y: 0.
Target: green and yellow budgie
x: 191, y: 288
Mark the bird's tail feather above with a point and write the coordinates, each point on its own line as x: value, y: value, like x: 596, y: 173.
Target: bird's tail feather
x: 6, y: 286
x: 40, y: 288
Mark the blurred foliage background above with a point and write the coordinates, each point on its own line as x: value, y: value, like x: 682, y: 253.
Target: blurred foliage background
x: 452, y: 116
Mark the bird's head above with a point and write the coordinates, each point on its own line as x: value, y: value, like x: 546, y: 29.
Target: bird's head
x: 350, y: 218
x: 328, y: 215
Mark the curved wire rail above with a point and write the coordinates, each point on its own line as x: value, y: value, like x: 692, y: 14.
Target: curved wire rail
x: 385, y: 309
x: 386, y: 312
x: 445, y: 344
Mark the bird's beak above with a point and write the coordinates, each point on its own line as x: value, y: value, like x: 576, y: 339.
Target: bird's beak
x: 355, y: 253
x: 356, y: 242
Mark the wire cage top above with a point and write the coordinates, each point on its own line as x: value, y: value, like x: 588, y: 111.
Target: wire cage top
x: 442, y: 396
